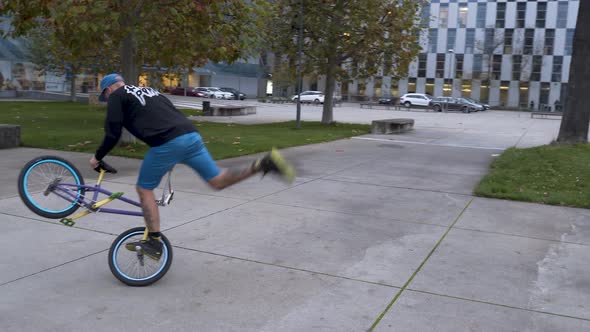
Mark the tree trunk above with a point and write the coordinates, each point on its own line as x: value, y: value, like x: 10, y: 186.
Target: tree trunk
x: 328, y: 111
x: 574, y: 123
x: 73, y: 72
x: 129, y: 63
x: 73, y: 86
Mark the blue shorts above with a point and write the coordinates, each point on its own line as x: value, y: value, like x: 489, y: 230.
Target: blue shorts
x: 187, y: 149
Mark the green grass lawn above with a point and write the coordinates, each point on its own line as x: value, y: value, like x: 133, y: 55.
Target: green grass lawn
x: 79, y: 127
x: 551, y: 174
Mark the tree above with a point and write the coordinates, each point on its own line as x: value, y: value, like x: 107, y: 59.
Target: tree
x: 127, y: 34
x: 346, y: 39
x: 49, y: 54
x: 576, y: 115
x: 175, y: 34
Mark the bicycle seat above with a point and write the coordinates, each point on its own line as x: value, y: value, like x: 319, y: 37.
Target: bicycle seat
x: 106, y: 167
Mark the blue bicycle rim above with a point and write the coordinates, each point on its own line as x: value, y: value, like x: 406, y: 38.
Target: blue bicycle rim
x: 26, y: 178
x: 118, y: 245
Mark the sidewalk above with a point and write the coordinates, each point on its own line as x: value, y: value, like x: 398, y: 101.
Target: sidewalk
x: 373, y: 233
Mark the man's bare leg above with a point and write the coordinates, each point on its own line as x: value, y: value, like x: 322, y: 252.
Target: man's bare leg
x: 150, y: 209
x: 272, y: 162
x: 231, y: 176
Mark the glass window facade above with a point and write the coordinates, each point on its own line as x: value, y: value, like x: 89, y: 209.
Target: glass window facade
x: 504, y: 88
x: 451, y: 39
x: 508, y: 40
x: 443, y: 15
x: 537, y: 66
x: 458, y: 66
x: 481, y: 15
x: 462, y: 17
x: 469, y: 41
x: 432, y: 40
x: 569, y: 41
x: 477, y: 65
x: 516, y: 67
x: 422, y: 60
x: 501, y: 15
x: 562, y: 8
x: 529, y: 40
x: 523, y: 94
x: 557, y: 67
x: 496, y: 66
x: 520, y: 14
x: 549, y: 41
x: 541, y: 14
x: 440, y: 65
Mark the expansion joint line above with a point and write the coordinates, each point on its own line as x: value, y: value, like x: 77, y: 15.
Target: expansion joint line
x: 419, y: 268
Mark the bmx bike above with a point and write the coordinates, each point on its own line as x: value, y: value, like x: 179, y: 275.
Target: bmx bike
x: 54, y: 188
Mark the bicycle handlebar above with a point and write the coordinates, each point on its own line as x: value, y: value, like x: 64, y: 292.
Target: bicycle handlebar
x: 106, y: 167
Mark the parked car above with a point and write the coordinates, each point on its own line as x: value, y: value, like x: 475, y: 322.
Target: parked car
x: 237, y: 94
x: 415, y: 99
x: 202, y: 92
x: 388, y: 100
x: 485, y: 106
x: 190, y: 91
x: 440, y: 104
x: 214, y: 92
x: 316, y: 97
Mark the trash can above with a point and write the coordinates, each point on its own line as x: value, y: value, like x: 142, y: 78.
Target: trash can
x: 207, y: 107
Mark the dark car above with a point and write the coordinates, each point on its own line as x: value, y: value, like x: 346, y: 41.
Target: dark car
x: 388, y: 100
x: 485, y: 106
x: 440, y: 104
x: 190, y: 91
x: 237, y: 94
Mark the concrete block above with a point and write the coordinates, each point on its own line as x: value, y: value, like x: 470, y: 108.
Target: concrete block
x: 392, y: 126
x: 9, y: 136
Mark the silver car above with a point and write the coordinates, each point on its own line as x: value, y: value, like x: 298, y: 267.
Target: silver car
x: 415, y: 99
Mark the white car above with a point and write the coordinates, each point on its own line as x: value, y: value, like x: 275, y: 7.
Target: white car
x: 218, y: 94
x: 415, y: 99
x: 316, y: 97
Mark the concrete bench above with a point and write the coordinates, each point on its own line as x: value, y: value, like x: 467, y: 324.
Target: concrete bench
x: 392, y: 126
x: 545, y: 114
x: 230, y: 110
x: 9, y: 136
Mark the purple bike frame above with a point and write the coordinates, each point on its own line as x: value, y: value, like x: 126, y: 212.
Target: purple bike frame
x: 65, y: 192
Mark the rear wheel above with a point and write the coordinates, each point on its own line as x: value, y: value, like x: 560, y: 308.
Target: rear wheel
x: 136, y: 269
x: 317, y: 101
x: 465, y: 109
x: 407, y: 104
x: 43, y: 180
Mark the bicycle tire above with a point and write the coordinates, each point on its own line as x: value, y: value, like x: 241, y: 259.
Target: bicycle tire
x: 118, y: 271
x: 27, y: 195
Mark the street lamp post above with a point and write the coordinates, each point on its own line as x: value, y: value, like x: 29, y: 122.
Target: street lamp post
x: 451, y: 52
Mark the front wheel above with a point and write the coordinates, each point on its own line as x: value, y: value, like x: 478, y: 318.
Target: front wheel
x: 51, y: 187
x: 133, y: 268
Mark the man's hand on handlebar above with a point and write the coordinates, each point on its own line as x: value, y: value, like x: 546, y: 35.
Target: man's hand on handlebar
x: 99, y: 165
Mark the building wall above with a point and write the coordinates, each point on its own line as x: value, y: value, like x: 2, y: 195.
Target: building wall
x: 504, y: 88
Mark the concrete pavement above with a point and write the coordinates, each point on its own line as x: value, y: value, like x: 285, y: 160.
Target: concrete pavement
x: 377, y: 232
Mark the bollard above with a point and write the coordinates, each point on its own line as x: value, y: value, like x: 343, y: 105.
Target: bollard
x: 207, y: 107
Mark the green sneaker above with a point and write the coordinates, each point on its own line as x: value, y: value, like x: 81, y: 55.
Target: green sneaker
x: 276, y: 163
x: 151, y: 247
